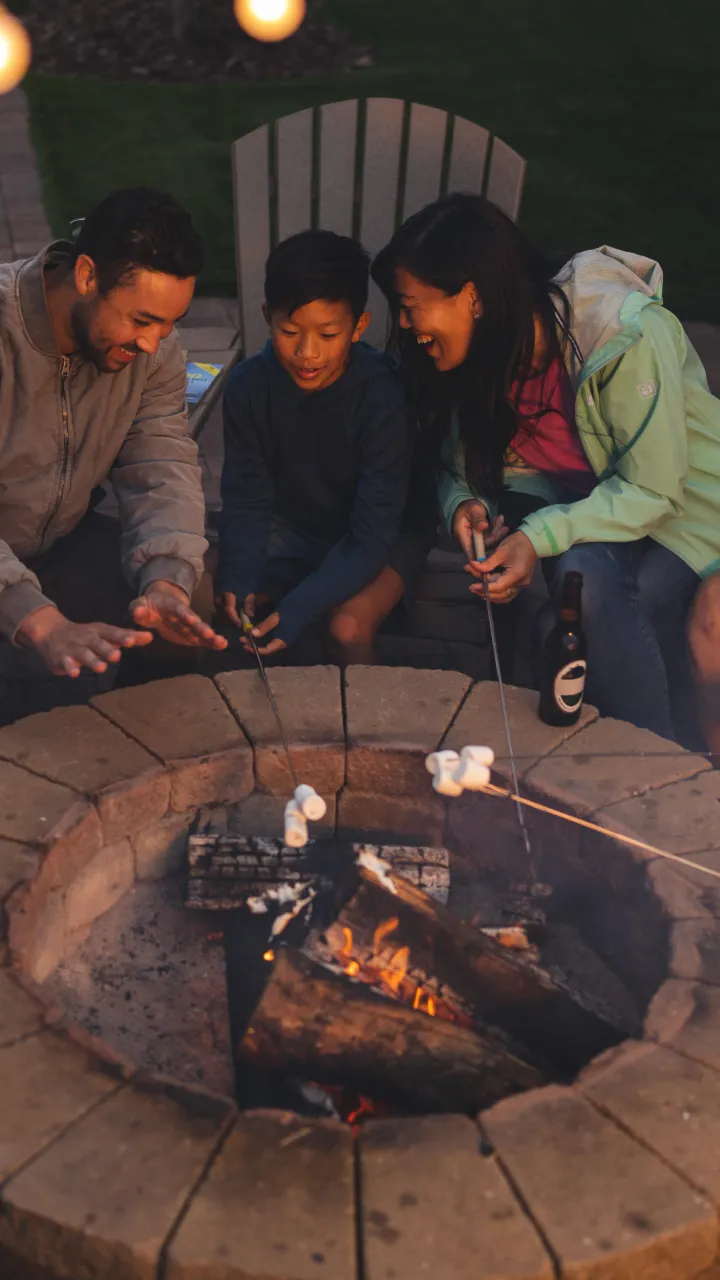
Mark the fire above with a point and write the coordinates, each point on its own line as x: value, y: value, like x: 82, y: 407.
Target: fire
x: 386, y: 967
x: 268, y: 955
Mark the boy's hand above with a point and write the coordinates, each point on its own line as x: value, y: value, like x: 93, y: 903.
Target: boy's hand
x: 274, y: 646
x: 66, y: 647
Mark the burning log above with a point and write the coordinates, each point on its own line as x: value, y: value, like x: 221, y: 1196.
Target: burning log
x: 315, y: 1024
x: 501, y: 988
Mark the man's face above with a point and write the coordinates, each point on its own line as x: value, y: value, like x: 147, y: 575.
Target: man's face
x: 111, y: 331
x: 313, y: 344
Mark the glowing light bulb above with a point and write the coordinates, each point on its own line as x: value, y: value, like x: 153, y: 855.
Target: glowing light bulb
x: 14, y: 51
x: 270, y: 19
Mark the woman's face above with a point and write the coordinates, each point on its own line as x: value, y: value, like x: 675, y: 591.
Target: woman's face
x: 442, y: 323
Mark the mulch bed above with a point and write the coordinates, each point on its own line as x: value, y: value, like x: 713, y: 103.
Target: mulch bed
x: 138, y: 40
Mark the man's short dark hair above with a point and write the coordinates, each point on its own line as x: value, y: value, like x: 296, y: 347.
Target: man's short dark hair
x: 138, y: 228
x: 317, y: 265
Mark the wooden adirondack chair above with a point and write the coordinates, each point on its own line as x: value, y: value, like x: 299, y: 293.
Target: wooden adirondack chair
x: 361, y: 168
x: 358, y: 168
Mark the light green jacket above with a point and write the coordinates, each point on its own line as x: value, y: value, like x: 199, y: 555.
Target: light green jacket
x: 648, y: 424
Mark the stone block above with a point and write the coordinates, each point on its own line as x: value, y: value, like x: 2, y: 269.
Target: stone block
x: 611, y: 761
x: 36, y: 930
x: 682, y: 898
x: 46, y: 1083
x: 262, y: 815
x: 433, y: 1204
x: 667, y: 1102
x: 695, y: 951
x: 160, y: 849
x: 175, y: 719
x: 394, y: 718
x: 294, y: 1181
x: 221, y: 778
x: 385, y: 817
x: 80, y: 749
x: 310, y: 705
x: 99, y: 886
x: 682, y: 818
x: 132, y: 806
x: 102, y: 1200
x: 17, y: 865
x: 30, y: 807
x: 606, y: 1206
x: 686, y: 1017
x: 20, y: 1014
x: 480, y: 723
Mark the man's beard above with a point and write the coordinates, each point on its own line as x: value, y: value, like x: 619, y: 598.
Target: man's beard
x: 80, y: 319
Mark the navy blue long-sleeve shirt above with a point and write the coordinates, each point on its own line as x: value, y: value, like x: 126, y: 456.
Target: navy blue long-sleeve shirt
x: 333, y: 464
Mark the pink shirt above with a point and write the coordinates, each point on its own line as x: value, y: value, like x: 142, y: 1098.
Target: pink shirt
x: 550, y: 443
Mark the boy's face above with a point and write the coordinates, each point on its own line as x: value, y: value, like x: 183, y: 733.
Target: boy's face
x: 313, y: 344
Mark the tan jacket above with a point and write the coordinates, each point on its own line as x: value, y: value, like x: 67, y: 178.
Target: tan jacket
x: 65, y: 428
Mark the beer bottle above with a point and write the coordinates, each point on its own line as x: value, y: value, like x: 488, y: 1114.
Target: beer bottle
x: 564, y: 665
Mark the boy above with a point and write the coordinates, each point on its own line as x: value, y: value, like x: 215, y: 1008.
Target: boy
x: 317, y: 459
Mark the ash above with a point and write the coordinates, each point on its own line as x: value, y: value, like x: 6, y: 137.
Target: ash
x: 150, y: 982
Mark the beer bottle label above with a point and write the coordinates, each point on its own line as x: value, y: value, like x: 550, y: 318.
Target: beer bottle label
x: 569, y: 685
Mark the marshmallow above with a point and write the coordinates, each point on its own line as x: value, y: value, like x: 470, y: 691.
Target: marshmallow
x: 473, y: 771
x: 441, y: 765
x: 310, y: 804
x: 296, y: 832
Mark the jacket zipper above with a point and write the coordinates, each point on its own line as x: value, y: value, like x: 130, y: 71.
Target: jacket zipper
x: 64, y: 371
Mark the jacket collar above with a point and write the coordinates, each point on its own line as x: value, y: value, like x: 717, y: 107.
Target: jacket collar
x: 33, y: 302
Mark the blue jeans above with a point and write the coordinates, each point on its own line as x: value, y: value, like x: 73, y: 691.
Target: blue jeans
x: 635, y: 602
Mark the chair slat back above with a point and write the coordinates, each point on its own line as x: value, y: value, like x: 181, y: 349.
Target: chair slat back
x: 294, y: 173
x: 336, y: 186
x: 355, y: 168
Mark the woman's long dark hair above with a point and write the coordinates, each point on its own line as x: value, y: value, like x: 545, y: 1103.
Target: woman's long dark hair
x: 464, y: 238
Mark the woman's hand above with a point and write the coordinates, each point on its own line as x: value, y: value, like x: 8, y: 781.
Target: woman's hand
x: 472, y: 517
x: 513, y: 565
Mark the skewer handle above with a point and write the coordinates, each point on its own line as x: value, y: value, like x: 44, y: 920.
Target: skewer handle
x: 247, y: 625
x: 479, y: 545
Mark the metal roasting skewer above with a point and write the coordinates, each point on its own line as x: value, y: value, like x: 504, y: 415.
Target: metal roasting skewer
x: 479, y: 546
x: 247, y: 627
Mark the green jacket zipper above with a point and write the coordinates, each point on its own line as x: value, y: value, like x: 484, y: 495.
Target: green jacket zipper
x: 64, y: 371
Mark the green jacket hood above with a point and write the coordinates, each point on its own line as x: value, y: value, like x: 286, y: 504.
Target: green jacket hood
x: 607, y: 289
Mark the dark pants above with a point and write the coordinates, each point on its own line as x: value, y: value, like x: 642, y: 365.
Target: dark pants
x: 81, y: 574
x: 636, y: 599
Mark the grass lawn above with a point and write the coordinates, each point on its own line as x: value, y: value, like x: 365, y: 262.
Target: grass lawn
x: 617, y: 109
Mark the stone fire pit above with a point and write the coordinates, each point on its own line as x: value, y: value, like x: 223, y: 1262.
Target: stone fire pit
x: 108, y: 1172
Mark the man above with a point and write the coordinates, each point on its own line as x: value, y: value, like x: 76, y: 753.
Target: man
x: 705, y: 650
x: 92, y: 388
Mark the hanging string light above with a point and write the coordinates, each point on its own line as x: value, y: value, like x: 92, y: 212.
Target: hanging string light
x: 14, y: 50
x: 270, y: 19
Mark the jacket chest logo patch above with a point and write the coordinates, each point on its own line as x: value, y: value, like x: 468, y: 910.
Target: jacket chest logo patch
x: 647, y: 389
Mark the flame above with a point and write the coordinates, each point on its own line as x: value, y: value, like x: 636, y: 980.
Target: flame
x: 397, y: 969
x: 382, y: 931
x: 386, y: 967
x: 268, y: 955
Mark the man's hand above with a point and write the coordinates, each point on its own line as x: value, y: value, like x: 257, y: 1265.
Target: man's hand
x: 507, y: 571
x: 472, y: 517
x: 261, y: 630
x: 165, y: 608
x: 66, y: 647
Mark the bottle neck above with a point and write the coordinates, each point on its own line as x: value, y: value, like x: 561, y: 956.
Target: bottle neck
x: 571, y: 601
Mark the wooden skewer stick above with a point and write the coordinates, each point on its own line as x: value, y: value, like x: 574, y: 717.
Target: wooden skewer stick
x: 492, y: 790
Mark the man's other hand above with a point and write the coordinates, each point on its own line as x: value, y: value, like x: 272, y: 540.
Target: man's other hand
x: 165, y: 608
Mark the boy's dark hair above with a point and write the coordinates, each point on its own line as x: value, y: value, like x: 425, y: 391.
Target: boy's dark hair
x: 317, y: 265
x: 139, y: 228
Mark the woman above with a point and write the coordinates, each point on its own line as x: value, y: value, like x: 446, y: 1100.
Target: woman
x: 575, y: 399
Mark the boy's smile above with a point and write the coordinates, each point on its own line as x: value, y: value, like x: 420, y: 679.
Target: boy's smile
x: 313, y: 343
